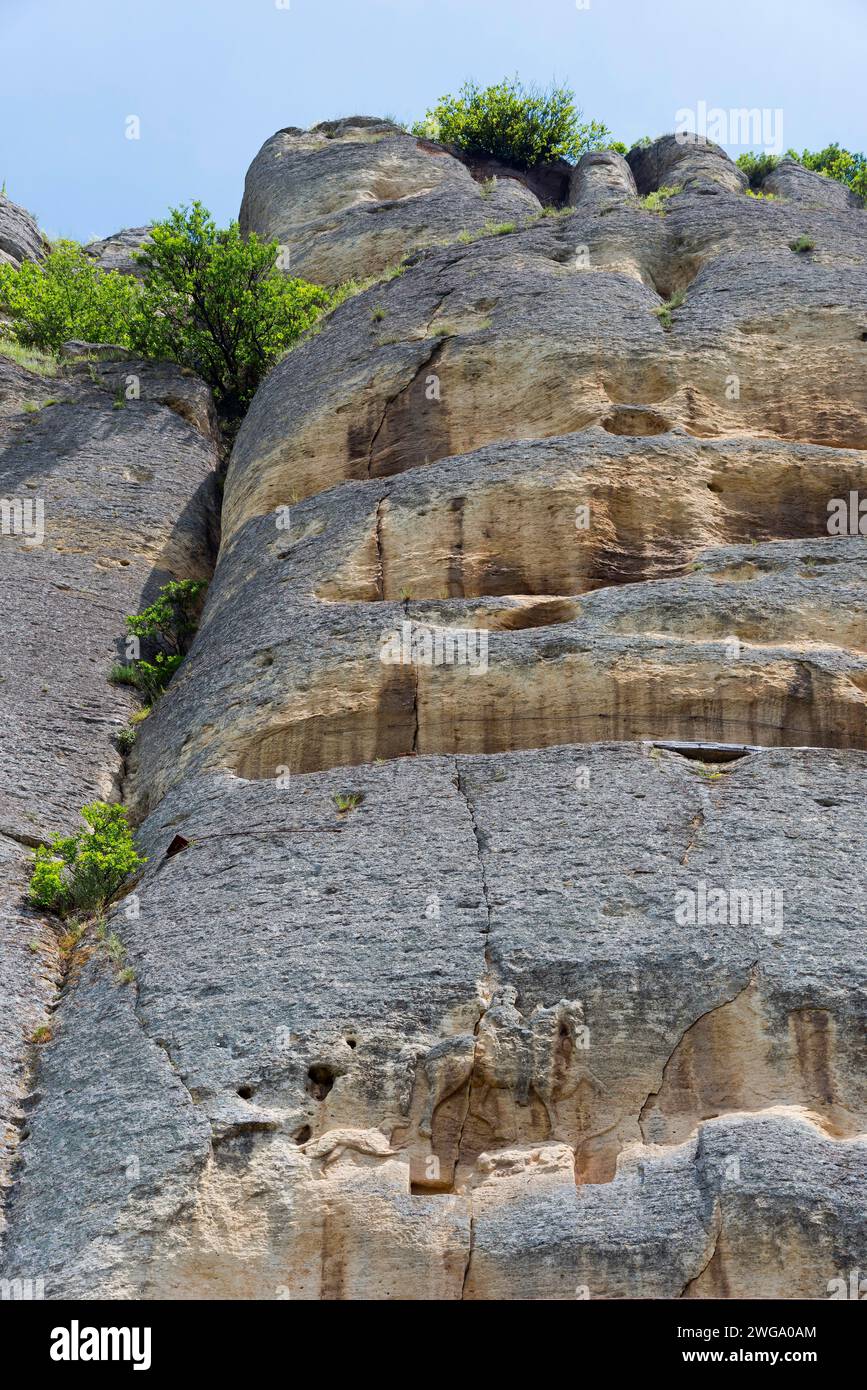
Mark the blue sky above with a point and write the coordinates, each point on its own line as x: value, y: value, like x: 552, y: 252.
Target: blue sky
x: 210, y: 80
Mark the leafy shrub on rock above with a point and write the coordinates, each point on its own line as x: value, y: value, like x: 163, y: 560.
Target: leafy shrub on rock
x: 67, y: 296
x: 169, y: 622
x: 519, y: 125
x: 208, y: 300
x: 218, y: 303
x: 834, y: 162
x: 173, y: 616
x: 81, y: 872
x: 757, y: 166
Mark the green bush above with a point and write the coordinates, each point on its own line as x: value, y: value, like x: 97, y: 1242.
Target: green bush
x: 757, y: 166
x: 68, y: 296
x: 520, y: 125
x: 150, y: 677
x: 173, y: 616
x: 219, y: 304
x: 81, y: 872
x: 208, y: 299
x: 656, y: 201
x: 169, y: 622
x: 836, y: 163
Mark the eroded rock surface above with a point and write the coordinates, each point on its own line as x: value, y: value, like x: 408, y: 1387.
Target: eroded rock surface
x: 104, y: 500
x: 20, y: 237
x: 117, y: 252
x: 514, y: 947
x: 350, y: 199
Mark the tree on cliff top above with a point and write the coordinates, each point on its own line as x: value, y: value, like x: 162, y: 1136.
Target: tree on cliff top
x: 519, y: 125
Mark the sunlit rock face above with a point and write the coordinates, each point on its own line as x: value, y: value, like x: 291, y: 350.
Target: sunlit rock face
x: 514, y: 949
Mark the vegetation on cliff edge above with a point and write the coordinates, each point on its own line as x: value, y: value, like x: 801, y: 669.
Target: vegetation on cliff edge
x: 517, y: 124
x: 209, y: 299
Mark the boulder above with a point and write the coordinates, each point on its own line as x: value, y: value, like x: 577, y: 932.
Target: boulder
x: 791, y: 180
x: 685, y: 161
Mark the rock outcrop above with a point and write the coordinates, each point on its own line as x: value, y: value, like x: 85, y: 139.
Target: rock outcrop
x: 20, y: 238
x: 514, y: 947
x: 349, y: 199
x: 117, y: 252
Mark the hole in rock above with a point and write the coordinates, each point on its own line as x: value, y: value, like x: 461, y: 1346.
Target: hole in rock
x: 320, y: 1079
x: 352, y: 1042
x: 635, y: 420
x: 245, y: 1092
x: 707, y: 752
x: 526, y: 613
x: 302, y: 1135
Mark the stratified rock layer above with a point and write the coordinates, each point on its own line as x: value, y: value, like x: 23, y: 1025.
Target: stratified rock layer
x: 20, y: 237
x: 350, y: 199
x: 104, y: 500
x: 513, y: 949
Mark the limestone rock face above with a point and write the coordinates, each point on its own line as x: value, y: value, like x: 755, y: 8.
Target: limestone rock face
x: 791, y: 180
x: 117, y: 252
x: 688, y: 162
x: 514, y: 948
x: 349, y: 199
x: 20, y: 238
x: 101, y: 505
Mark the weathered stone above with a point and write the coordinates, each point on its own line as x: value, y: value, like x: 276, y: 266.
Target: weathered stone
x: 686, y: 161
x: 555, y: 328
x: 117, y: 252
x: 601, y: 176
x: 791, y: 180
x: 104, y: 499
x: 525, y: 963
x: 349, y: 199
x: 20, y: 237
x: 509, y: 902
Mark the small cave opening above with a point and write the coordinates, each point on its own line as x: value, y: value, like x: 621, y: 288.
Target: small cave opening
x: 706, y: 752
x: 635, y: 420
x: 245, y: 1092
x: 302, y: 1135
x: 320, y: 1079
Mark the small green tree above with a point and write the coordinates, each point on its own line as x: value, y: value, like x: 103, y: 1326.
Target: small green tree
x: 81, y: 872
x: 219, y: 303
x: 68, y: 296
x: 169, y: 622
x: 173, y: 616
x: 517, y: 124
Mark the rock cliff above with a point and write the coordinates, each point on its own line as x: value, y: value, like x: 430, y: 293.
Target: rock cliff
x: 515, y: 948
